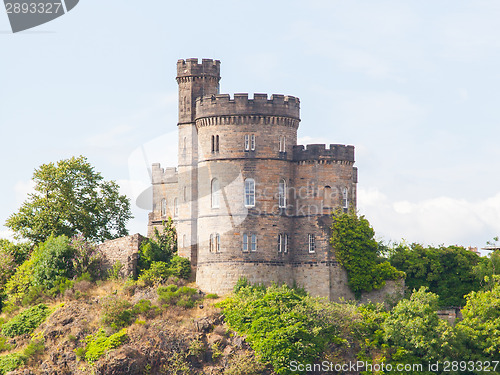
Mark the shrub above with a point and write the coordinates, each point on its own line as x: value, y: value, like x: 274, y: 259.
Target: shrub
x: 100, y: 343
x: 145, y: 308
x: 244, y: 364
x: 211, y: 296
x: 196, y: 348
x: 173, y: 295
x: 21, y: 282
x: 157, y: 273
x: 26, y: 322
x: 114, y: 273
x: 54, y: 261
x: 11, y: 362
x: 4, y: 345
x: 180, y: 267
x: 116, y: 312
x: 160, y: 248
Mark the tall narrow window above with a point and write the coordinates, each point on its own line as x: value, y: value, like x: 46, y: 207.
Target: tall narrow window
x: 184, y: 242
x: 185, y: 193
x: 282, y: 194
x: 250, y: 192
x: 213, y: 143
x: 215, y: 193
x: 253, y: 243
x: 312, y: 243
x: 163, y: 207
x: 282, y: 143
x: 176, y: 207
x: 345, y: 202
x: 245, y: 242
x: 285, y: 239
x: 327, y: 196
x: 184, y: 145
x: 252, y: 142
x: 214, y: 245
x: 280, y: 242
x: 216, y: 143
x: 247, y: 142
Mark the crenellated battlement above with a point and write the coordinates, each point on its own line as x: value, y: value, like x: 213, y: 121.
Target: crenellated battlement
x: 321, y: 152
x: 240, y: 104
x: 192, y: 67
x: 161, y: 175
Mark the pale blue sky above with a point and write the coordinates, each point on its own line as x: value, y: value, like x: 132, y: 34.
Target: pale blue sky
x: 415, y: 86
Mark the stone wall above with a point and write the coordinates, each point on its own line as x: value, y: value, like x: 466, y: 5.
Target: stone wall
x: 124, y: 250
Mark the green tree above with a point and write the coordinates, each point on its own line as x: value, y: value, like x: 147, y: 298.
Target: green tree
x: 71, y: 198
x: 446, y: 271
x: 480, y: 325
x: 359, y: 253
x: 414, y: 326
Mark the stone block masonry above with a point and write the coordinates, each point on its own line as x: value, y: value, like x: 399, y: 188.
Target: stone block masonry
x: 124, y: 250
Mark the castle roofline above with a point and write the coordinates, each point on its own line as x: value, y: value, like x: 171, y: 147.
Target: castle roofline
x: 241, y: 104
x: 321, y: 152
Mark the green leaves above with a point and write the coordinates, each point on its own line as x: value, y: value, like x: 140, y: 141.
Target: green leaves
x: 71, y: 198
x: 359, y: 253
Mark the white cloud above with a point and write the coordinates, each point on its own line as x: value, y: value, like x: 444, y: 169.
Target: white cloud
x: 432, y: 221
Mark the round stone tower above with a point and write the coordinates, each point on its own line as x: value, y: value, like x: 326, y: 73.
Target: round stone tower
x: 245, y: 172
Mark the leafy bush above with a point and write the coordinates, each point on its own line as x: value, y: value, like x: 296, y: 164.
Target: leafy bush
x: 114, y: 273
x: 357, y: 251
x: 117, y: 312
x: 145, y: 307
x: 100, y: 343
x: 26, y: 322
x: 11, y: 362
x: 160, y: 248
x: 21, y: 282
x: 54, y: 262
x: 283, y: 324
x: 173, y: 295
x: 180, y: 267
x: 156, y: 274
x: 244, y: 364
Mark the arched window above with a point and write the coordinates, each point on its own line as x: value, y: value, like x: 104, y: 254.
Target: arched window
x: 163, y: 207
x: 215, y: 193
x: 345, y: 201
x: 249, y: 192
x: 327, y: 196
x: 176, y: 207
x: 184, y: 242
x: 282, y: 194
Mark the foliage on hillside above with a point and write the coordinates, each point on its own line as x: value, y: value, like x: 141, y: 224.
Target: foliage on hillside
x: 447, y: 271
x: 359, y: 253
x: 284, y: 325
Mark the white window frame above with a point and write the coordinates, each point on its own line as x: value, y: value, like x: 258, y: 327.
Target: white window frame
x: 280, y: 242
x: 214, y: 244
x: 282, y: 143
x: 285, y: 250
x: 163, y: 207
x: 282, y: 193
x: 253, y: 242
x: 247, y: 142
x: 345, y: 200
x: 249, y: 192
x: 312, y: 243
x: 252, y: 142
x: 245, y: 243
x: 215, y: 193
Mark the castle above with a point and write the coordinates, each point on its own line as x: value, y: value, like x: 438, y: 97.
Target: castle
x: 246, y: 200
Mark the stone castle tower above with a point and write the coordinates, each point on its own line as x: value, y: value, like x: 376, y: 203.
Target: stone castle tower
x: 245, y: 198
